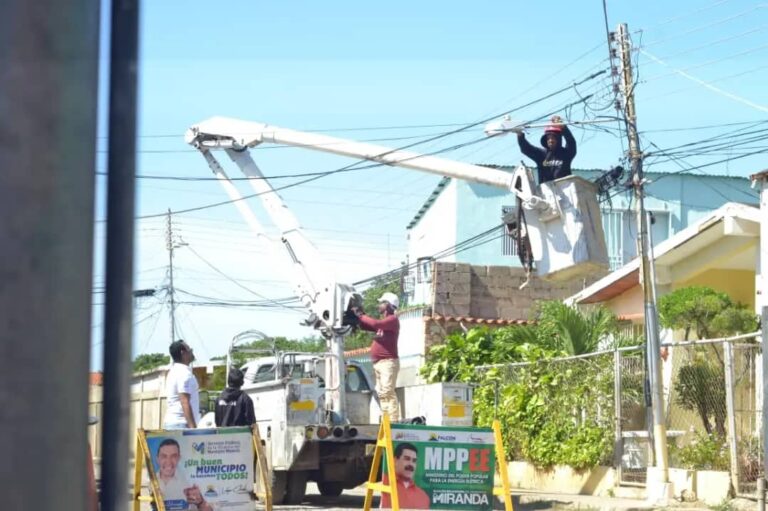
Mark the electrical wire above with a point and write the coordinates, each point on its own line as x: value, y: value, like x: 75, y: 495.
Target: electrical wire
x: 690, y: 13
x: 678, y: 35
x: 703, y: 127
x: 238, y: 284
x: 711, y: 43
x: 683, y: 71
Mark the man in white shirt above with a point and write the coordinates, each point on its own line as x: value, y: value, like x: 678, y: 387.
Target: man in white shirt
x: 181, y: 390
x: 177, y: 492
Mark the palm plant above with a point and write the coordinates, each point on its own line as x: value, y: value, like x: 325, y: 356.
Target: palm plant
x: 574, y: 331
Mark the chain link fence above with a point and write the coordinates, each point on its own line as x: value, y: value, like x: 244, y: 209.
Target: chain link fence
x: 712, y: 407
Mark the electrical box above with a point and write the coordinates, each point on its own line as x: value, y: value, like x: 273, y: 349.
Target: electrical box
x: 441, y: 404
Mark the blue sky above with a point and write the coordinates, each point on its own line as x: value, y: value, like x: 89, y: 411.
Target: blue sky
x: 358, y: 69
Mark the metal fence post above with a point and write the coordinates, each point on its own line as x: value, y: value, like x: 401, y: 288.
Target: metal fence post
x: 618, y: 446
x: 730, y: 410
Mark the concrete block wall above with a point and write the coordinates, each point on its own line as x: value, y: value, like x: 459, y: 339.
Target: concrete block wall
x: 492, y: 292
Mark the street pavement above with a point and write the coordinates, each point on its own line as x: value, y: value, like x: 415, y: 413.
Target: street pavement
x: 522, y: 501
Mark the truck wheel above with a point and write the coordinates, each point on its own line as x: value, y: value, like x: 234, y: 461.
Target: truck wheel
x: 279, y: 485
x: 330, y: 489
x: 296, y: 488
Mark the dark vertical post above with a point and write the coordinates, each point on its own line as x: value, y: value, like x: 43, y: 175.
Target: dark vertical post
x: 48, y: 100
x: 118, y: 309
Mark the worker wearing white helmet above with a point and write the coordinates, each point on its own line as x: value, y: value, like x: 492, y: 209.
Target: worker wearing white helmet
x: 384, y: 352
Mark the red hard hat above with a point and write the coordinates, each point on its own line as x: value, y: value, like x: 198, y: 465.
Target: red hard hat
x: 553, y: 129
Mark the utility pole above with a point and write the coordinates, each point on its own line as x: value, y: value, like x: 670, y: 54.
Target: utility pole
x: 760, y: 180
x: 170, y: 245
x: 653, y: 347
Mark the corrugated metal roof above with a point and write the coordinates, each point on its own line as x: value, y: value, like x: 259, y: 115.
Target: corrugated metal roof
x: 430, y: 200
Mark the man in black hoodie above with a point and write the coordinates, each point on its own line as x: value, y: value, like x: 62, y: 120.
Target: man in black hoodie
x: 234, y: 407
x: 554, y: 161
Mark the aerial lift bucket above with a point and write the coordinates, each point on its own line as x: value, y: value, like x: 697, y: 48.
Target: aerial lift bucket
x: 563, y: 226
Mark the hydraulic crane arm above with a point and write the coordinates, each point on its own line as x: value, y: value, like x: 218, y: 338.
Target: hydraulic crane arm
x: 222, y: 132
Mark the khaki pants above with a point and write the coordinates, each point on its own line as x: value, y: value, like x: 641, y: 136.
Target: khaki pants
x: 386, y: 376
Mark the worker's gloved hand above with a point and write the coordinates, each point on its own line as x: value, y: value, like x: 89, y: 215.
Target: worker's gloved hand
x: 556, y: 119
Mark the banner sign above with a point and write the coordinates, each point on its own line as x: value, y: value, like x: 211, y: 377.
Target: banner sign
x: 203, y: 469
x: 442, y: 467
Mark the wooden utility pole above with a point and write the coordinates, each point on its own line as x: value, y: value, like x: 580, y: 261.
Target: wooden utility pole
x: 653, y: 348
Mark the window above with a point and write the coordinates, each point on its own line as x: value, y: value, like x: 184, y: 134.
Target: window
x: 620, y: 229
x: 508, y: 245
x: 263, y: 373
x: 424, y: 270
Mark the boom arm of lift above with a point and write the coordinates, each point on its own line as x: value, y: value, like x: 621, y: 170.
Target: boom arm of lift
x: 223, y: 132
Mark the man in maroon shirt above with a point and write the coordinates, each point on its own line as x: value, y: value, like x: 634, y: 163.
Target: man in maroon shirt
x: 384, y: 352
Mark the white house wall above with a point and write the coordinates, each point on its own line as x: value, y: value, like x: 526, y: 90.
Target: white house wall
x: 436, y: 230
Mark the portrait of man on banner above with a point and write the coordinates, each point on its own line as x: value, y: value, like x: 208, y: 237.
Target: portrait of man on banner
x: 410, y: 495
x: 177, y: 491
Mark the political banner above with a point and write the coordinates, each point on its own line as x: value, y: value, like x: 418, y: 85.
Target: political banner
x: 203, y: 469
x: 442, y: 467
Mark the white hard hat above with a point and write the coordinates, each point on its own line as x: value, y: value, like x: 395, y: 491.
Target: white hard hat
x: 390, y: 298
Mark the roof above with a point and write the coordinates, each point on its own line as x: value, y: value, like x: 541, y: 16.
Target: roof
x: 428, y: 203
x: 445, y: 181
x: 477, y: 321
x: 761, y: 176
x: 357, y: 352
x: 675, y: 249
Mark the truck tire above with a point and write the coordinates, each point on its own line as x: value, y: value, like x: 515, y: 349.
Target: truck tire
x: 296, y: 487
x: 330, y: 488
x: 279, y: 485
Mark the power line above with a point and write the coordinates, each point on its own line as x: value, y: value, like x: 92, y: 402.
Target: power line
x: 703, y: 127
x: 686, y: 167
x: 682, y: 71
x: 690, y: 13
x: 705, y: 165
x: 712, y: 43
x: 447, y: 252
x: 327, y: 130
x: 238, y: 284
x: 678, y: 35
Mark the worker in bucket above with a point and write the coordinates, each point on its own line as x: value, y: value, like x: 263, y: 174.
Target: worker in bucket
x: 386, y: 364
x: 554, y: 160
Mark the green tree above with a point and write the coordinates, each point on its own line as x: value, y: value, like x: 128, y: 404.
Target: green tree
x: 707, y: 313
x: 147, y: 361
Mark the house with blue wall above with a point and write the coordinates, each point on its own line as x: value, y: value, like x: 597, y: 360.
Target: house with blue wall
x: 458, y: 211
